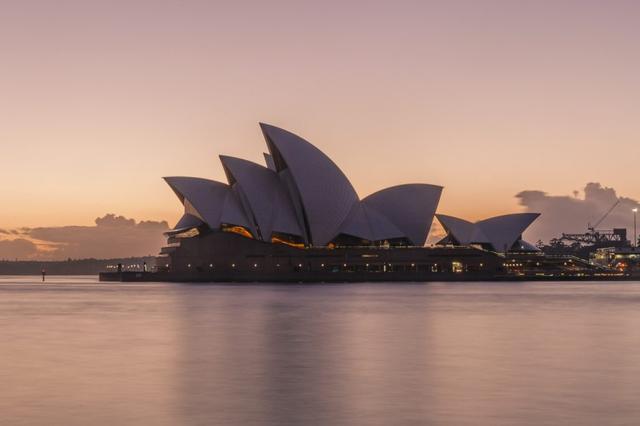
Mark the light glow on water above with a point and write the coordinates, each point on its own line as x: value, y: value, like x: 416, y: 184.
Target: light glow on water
x: 76, y: 351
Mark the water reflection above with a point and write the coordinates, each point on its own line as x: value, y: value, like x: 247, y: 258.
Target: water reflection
x: 441, y: 354
x: 451, y: 354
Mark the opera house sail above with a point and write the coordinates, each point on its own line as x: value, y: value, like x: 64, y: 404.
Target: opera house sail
x: 301, y: 198
x: 297, y: 217
x: 499, y: 234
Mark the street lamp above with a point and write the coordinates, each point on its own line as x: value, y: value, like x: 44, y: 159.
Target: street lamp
x: 635, y: 235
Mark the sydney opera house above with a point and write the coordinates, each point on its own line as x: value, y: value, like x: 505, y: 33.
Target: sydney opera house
x: 298, y: 218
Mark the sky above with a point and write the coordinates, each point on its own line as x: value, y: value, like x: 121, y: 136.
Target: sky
x: 486, y: 98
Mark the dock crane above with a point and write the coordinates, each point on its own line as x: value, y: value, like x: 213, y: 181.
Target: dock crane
x: 599, y: 237
x: 604, y: 216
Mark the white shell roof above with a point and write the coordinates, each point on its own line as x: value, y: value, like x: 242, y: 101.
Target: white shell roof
x: 187, y: 221
x: 233, y: 213
x: 366, y: 223
x: 211, y: 201
x: 302, y: 192
x: 504, y: 231
x: 326, y: 194
x: 409, y: 207
x: 500, y: 231
x: 267, y: 198
x: 464, y: 232
x: 268, y: 159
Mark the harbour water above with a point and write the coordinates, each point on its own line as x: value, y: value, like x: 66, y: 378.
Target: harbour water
x: 78, y: 352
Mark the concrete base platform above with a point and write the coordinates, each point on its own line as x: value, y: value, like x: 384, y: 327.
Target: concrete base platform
x: 343, y: 277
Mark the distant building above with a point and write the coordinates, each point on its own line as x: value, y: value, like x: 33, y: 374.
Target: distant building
x: 623, y: 259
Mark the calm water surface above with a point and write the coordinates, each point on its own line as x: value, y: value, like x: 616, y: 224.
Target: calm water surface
x: 77, y: 352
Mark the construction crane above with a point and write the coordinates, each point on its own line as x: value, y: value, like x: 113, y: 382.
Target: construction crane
x: 599, y: 237
x: 604, y: 216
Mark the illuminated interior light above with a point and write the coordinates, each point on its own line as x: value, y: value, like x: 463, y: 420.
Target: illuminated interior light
x: 275, y: 239
x: 240, y: 230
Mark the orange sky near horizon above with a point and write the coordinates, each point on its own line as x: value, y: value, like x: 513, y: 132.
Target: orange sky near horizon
x: 486, y: 98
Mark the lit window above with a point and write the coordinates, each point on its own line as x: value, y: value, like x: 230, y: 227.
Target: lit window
x: 275, y: 239
x: 238, y: 230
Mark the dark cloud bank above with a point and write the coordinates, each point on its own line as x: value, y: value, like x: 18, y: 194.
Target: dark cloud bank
x: 571, y: 214
x: 111, y: 237
x: 17, y: 249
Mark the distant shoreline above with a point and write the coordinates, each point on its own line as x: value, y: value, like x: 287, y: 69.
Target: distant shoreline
x: 72, y: 266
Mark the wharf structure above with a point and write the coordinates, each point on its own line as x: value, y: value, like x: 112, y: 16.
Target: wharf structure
x: 621, y: 259
x: 298, y: 218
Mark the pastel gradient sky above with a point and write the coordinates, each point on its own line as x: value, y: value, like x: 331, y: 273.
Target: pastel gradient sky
x: 100, y: 99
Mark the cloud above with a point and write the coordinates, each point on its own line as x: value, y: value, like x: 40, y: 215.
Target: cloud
x: 17, y: 249
x: 572, y: 214
x: 111, y: 237
x: 113, y: 221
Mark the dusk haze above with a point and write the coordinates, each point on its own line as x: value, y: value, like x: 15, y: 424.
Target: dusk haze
x: 319, y: 213
x: 486, y: 98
